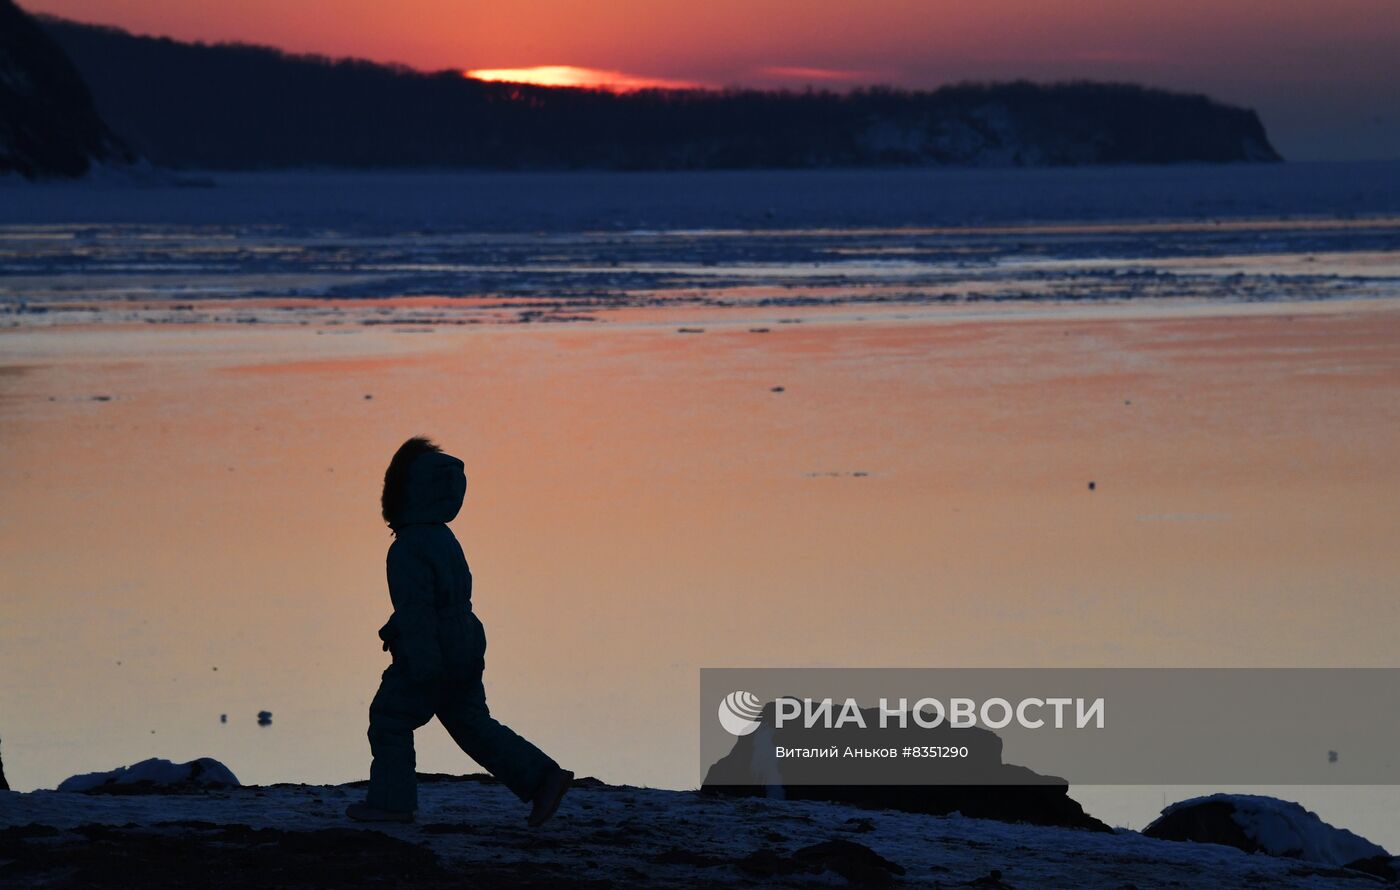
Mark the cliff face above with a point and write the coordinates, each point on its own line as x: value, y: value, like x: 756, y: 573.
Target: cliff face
x: 246, y: 107
x: 48, y: 123
x: 1022, y: 124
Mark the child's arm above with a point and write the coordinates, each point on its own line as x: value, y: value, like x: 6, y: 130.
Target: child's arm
x: 415, y: 646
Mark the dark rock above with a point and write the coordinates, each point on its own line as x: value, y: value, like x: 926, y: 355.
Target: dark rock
x: 857, y: 863
x: 449, y: 828
x: 980, y: 786
x: 677, y: 856
x: 766, y: 862
x: 21, y: 832
x: 264, y: 718
x: 155, y: 776
x: 1210, y: 822
x: 1384, y: 867
x: 474, y: 778
x: 991, y: 880
x: 224, y: 856
x: 4, y: 785
x: 49, y: 126
x: 1257, y: 824
x: 625, y: 836
x: 195, y: 824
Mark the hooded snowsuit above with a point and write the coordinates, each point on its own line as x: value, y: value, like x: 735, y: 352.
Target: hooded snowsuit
x: 439, y: 647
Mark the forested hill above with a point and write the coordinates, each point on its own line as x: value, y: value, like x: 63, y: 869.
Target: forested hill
x: 232, y: 106
x: 48, y: 126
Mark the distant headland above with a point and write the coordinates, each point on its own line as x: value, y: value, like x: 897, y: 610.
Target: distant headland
x: 243, y: 107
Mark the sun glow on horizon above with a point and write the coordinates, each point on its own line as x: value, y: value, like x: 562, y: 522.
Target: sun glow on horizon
x: 578, y: 77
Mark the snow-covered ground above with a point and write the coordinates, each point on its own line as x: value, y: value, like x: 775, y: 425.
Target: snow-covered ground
x: 476, y: 831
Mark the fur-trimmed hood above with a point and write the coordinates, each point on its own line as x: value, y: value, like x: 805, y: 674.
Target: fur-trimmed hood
x: 433, y: 491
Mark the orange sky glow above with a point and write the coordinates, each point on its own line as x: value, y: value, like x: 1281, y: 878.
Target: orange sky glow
x: 1324, y: 74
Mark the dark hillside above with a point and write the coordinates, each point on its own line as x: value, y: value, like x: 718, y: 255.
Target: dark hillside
x: 48, y: 124
x: 247, y: 107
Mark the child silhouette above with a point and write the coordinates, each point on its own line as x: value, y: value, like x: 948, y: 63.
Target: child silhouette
x: 439, y: 649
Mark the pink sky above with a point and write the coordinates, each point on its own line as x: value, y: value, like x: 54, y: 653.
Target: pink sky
x: 1324, y: 74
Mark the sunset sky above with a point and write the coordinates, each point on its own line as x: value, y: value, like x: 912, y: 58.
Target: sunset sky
x: 1324, y: 74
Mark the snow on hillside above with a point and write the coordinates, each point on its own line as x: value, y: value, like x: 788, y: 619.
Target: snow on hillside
x: 473, y: 829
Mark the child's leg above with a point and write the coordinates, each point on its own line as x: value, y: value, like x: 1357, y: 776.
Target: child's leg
x: 399, y: 707
x: 507, y: 756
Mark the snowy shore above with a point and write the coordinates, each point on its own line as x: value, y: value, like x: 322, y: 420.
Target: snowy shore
x: 472, y: 829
